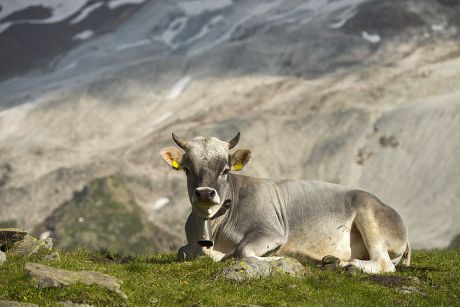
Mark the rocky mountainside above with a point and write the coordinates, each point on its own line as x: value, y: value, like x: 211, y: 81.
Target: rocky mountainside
x: 361, y: 93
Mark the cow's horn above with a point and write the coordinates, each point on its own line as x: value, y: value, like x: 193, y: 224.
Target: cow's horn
x: 234, y: 141
x: 180, y: 142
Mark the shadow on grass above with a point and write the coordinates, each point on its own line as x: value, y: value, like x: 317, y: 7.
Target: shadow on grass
x: 415, y: 269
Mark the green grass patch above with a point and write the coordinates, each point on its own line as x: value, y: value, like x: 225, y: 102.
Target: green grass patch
x: 160, y: 280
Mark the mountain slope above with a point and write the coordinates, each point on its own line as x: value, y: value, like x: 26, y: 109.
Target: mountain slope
x: 318, y: 89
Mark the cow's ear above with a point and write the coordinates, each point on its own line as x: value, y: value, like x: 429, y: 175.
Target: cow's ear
x: 172, y: 156
x: 240, y: 158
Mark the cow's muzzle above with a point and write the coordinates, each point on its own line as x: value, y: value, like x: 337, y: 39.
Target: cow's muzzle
x: 205, y: 195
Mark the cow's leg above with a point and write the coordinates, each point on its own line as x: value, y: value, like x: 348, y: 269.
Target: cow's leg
x: 188, y: 252
x: 375, y: 244
x: 259, y: 245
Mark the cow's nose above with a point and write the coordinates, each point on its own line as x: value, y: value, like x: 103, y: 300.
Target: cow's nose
x: 205, y: 194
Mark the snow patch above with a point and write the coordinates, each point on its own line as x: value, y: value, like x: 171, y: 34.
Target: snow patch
x: 84, y: 35
x: 205, y: 29
x: 160, y: 203
x: 371, y: 38
x: 117, y: 3
x: 179, y: 87
x: 133, y: 44
x: 174, y: 28
x: 196, y: 7
x: 85, y: 12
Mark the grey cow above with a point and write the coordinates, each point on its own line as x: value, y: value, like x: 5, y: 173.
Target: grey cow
x: 265, y: 218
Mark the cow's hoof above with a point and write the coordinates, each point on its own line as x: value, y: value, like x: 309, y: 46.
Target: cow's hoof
x: 330, y: 262
x: 351, y: 269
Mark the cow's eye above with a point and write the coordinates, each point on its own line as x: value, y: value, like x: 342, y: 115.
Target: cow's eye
x: 225, y: 172
x: 186, y: 171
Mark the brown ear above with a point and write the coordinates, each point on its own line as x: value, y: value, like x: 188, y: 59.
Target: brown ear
x: 240, y: 158
x: 172, y: 156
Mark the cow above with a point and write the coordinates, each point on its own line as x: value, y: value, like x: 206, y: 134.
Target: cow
x: 241, y: 216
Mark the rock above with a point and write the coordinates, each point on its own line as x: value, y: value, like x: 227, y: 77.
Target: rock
x: 352, y: 270
x: 254, y: 268
x: 72, y: 304
x: 25, y: 247
x: 52, y: 257
x: 407, y: 289
x: 330, y: 262
x: 45, y: 277
x: 11, y: 235
x: 16, y: 304
x: 2, y: 257
x: 19, y: 242
x: 48, y: 243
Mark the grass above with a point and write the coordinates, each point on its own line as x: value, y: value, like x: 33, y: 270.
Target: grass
x: 160, y: 280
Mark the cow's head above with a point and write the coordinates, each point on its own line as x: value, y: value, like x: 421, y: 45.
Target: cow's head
x: 206, y: 163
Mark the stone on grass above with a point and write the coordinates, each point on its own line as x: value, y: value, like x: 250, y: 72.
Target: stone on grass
x: 46, y: 277
x: 2, y: 257
x: 72, y: 304
x: 253, y: 268
x: 52, y: 257
x: 408, y: 289
x: 15, y: 304
x: 331, y: 262
x: 25, y: 247
x: 19, y: 242
x: 11, y: 235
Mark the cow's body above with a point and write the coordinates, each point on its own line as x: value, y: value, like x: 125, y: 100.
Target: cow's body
x: 304, y: 219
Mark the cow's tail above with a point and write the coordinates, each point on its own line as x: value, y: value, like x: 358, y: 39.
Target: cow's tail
x: 406, y: 255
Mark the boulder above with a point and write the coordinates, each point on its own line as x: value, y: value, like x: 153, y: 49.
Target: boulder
x: 255, y: 268
x: 25, y: 247
x: 2, y: 257
x: 46, y: 277
x: 11, y: 235
x: 19, y: 242
x: 15, y: 304
x: 72, y: 304
x: 52, y: 257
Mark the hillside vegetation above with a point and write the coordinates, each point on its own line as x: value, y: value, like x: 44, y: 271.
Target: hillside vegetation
x: 105, y: 214
x: 434, y: 280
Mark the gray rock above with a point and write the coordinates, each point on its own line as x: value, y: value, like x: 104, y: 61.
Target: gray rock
x: 25, y: 247
x: 11, y: 235
x: 48, y: 243
x: 253, y: 268
x: 45, y: 277
x: 330, y: 262
x: 52, y: 257
x: 2, y: 257
x: 72, y: 304
x: 16, y: 304
x: 408, y: 289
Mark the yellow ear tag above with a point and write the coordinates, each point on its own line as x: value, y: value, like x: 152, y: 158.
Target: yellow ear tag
x: 238, y: 167
x: 175, y: 165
